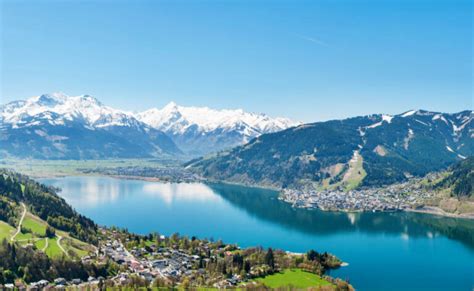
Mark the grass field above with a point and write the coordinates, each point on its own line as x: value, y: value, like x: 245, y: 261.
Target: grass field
x: 6, y: 230
x: 35, y: 235
x: 294, y: 277
x: 24, y: 236
x: 76, y: 246
x: 40, y: 243
x: 356, y: 172
x: 53, y: 249
x: 37, y: 226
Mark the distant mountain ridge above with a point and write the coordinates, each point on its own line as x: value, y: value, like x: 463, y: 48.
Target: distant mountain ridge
x: 361, y: 151
x: 57, y: 126
x: 201, y: 130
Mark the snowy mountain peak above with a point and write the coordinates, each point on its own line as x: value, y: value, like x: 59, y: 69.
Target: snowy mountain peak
x: 178, y: 119
x: 195, y: 129
x: 202, y: 129
x: 50, y: 99
x: 64, y: 108
x: 172, y: 106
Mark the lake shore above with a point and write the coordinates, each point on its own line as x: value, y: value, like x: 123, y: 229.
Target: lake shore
x: 432, y: 210
x: 440, y: 212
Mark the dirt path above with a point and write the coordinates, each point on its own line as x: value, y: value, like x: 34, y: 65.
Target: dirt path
x: 45, y: 245
x: 21, y: 221
x: 60, y: 246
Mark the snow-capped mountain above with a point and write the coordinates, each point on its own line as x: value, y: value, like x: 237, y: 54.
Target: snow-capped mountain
x: 200, y: 130
x: 63, y: 127
x: 80, y: 127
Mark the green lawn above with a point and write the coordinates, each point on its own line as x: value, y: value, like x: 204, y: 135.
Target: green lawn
x: 37, y: 226
x: 6, y: 230
x: 40, y: 244
x: 24, y: 236
x: 76, y: 246
x: 295, y: 277
x: 53, y: 249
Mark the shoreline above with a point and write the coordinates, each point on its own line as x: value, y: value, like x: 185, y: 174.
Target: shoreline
x: 431, y: 210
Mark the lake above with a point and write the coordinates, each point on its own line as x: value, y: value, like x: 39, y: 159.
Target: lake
x: 385, y: 251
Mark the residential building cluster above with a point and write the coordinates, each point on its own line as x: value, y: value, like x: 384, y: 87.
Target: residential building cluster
x: 395, y: 197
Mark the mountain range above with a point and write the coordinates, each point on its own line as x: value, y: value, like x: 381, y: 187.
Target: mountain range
x: 57, y: 126
x: 201, y: 130
x: 361, y: 151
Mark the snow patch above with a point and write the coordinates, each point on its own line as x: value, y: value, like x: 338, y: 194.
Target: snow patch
x: 387, y: 118
x: 449, y: 149
x: 424, y: 123
x: 409, y: 113
x: 440, y: 117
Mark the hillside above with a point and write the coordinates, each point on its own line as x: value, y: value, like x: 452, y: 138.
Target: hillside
x: 42, y: 237
x: 459, y: 180
x: 42, y: 205
x: 360, y: 151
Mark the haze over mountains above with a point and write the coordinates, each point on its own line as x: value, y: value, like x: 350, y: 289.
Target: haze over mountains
x: 57, y: 126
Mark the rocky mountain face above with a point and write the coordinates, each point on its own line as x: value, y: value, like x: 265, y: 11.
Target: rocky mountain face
x: 354, y: 152
x: 201, y: 130
x: 56, y: 126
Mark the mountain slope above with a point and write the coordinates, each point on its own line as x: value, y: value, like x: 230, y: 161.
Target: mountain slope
x: 460, y: 179
x: 201, y: 130
x: 368, y: 150
x: 56, y: 126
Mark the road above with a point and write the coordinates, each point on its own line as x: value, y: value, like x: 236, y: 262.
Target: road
x: 21, y: 221
x: 60, y: 246
x: 45, y: 245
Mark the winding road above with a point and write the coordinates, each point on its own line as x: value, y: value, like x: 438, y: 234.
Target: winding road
x: 21, y: 221
x: 45, y: 245
x: 60, y: 246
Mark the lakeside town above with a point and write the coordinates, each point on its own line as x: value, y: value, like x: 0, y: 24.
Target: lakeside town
x: 175, y: 261
x: 396, y: 197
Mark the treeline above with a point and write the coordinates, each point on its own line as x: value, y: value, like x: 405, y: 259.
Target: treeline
x: 7, y: 211
x: 45, y: 203
x: 31, y: 265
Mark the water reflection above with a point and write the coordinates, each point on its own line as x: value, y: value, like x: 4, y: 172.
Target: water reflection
x: 265, y: 205
x: 180, y: 192
x: 96, y: 191
x: 383, y: 249
x: 90, y: 192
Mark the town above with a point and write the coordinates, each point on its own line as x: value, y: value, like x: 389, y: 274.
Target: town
x: 395, y: 197
x: 177, y: 261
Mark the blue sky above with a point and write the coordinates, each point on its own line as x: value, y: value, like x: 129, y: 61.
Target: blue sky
x: 308, y: 60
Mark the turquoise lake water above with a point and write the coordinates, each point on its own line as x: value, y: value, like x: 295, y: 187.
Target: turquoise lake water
x: 385, y: 251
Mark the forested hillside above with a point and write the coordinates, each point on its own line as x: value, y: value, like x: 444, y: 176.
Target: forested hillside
x: 460, y: 179
x: 362, y: 151
x: 43, y: 202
